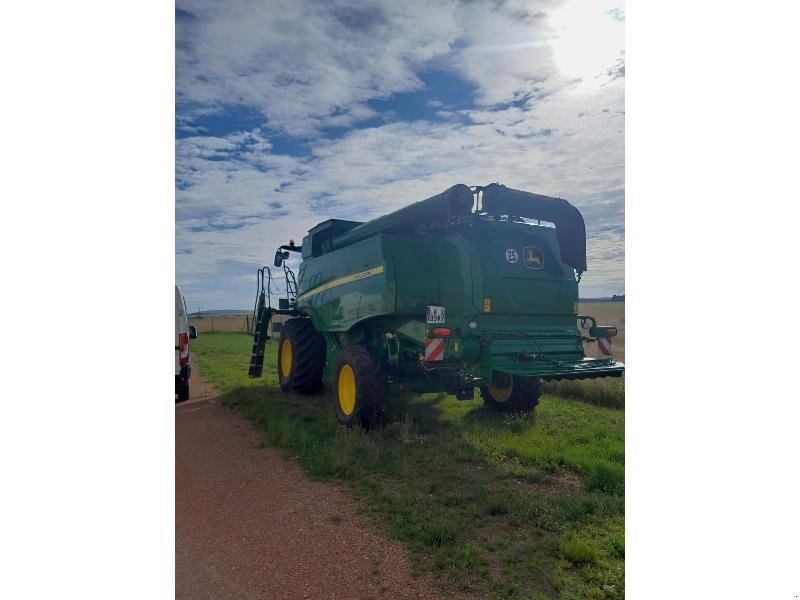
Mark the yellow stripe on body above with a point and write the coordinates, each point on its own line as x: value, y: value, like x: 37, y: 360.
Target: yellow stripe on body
x: 342, y: 280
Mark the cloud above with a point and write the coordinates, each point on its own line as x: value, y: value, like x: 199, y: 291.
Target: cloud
x: 505, y: 51
x: 236, y: 208
x: 305, y: 65
x: 298, y: 69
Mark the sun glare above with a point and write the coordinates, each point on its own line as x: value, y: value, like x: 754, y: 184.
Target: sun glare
x: 588, y: 37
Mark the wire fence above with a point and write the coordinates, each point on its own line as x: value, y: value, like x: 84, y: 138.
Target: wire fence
x: 243, y: 323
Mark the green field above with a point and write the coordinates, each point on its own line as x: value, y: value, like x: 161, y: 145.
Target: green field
x: 495, y: 506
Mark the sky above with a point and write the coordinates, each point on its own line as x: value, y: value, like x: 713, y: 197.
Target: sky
x: 290, y: 112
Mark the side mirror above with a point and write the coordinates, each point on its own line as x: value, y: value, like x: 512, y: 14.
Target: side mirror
x: 280, y: 257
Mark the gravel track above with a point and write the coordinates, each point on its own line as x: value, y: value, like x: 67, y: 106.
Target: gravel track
x: 249, y: 524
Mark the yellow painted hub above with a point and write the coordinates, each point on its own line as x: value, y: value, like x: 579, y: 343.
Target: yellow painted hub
x: 347, y: 390
x: 501, y: 387
x: 286, y: 357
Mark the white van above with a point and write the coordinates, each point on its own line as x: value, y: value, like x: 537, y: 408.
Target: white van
x: 182, y: 367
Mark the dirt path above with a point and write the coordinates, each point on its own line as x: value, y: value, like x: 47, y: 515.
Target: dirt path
x: 249, y: 524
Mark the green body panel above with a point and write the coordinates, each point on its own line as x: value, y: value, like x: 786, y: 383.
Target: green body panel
x: 337, y: 305
x: 548, y: 291
x: 507, y: 277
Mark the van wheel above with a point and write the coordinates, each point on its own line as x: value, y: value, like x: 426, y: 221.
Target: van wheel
x: 359, y: 386
x: 183, y: 391
x: 508, y: 392
x: 301, y: 357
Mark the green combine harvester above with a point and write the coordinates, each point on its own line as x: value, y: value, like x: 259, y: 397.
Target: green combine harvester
x: 474, y: 287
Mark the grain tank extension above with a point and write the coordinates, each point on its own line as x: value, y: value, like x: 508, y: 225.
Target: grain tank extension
x: 472, y: 288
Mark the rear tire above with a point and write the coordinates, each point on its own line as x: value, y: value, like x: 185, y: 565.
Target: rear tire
x: 511, y: 392
x: 182, y: 391
x: 301, y: 357
x: 359, y: 386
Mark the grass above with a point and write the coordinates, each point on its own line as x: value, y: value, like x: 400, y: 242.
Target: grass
x: 499, y: 506
x: 608, y: 392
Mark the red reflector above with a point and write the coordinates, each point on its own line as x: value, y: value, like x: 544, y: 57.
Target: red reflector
x: 441, y: 332
x: 183, y: 340
x: 611, y: 332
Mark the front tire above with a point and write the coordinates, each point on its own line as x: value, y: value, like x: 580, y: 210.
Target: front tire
x: 301, y: 357
x: 510, y: 393
x: 359, y: 386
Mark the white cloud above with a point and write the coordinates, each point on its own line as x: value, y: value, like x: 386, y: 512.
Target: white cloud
x: 505, y: 51
x: 518, y: 50
x: 307, y: 65
x: 265, y: 199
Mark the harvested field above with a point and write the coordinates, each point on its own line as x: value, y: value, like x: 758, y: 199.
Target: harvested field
x: 608, y: 391
x: 226, y: 323
x: 607, y: 313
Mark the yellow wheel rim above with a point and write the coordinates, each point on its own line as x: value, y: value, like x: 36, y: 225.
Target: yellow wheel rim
x: 347, y: 390
x: 501, y: 387
x: 286, y: 358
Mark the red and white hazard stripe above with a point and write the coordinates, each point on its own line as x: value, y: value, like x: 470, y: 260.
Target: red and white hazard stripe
x: 604, y: 346
x: 434, y: 349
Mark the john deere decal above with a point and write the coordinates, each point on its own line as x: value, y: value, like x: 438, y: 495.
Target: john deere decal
x: 534, y: 259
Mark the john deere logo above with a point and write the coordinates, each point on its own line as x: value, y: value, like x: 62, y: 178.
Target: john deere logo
x: 534, y: 259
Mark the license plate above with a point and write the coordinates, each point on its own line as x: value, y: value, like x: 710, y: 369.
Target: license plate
x: 436, y: 314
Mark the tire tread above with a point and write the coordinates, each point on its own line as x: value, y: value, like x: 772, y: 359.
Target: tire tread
x: 524, y: 396
x: 370, y: 373
x: 308, y: 356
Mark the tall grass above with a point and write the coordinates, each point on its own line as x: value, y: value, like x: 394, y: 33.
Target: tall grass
x: 602, y: 392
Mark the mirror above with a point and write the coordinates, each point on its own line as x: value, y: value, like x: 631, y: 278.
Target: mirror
x: 280, y: 257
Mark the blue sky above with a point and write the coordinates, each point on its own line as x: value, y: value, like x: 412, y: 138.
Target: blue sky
x: 292, y: 112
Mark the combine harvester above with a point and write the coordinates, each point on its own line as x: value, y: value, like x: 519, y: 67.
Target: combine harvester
x: 465, y: 289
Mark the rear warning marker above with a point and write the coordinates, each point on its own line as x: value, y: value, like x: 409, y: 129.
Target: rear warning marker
x: 434, y: 349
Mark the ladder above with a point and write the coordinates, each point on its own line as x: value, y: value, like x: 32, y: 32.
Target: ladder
x: 262, y: 314
x: 291, y: 285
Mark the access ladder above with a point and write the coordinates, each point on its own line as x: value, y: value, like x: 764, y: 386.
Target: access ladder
x: 263, y: 312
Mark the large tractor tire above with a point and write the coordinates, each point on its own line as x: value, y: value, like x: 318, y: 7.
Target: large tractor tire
x: 301, y: 357
x: 511, y: 392
x: 359, y: 386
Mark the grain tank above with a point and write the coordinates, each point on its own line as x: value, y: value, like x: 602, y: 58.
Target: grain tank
x: 471, y: 288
